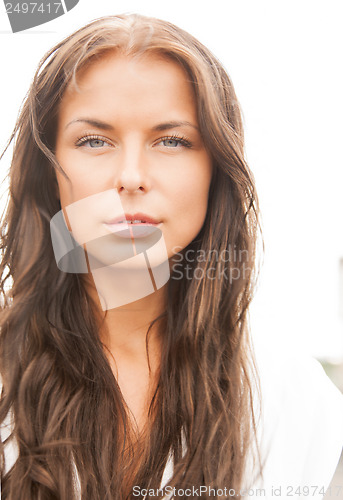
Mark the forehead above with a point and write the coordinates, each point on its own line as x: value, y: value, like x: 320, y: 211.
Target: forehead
x: 148, y: 83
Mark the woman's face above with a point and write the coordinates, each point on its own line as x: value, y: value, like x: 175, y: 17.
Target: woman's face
x: 131, y: 126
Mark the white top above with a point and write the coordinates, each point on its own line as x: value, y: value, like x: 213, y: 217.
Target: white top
x: 300, y: 432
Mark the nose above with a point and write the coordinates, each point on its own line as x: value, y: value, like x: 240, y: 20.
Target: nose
x: 132, y: 173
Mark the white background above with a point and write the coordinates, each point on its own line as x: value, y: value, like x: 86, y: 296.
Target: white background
x: 285, y: 59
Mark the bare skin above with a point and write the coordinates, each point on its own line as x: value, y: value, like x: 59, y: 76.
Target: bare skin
x: 124, y: 335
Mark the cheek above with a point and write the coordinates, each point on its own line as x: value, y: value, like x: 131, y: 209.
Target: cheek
x: 190, y: 201
x: 76, y: 188
x: 84, y: 178
x: 194, y: 193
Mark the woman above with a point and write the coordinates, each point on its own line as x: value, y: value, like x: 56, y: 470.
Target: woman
x: 121, y: 373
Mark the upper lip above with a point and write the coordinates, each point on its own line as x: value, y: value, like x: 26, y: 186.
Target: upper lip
x: 131, y: 217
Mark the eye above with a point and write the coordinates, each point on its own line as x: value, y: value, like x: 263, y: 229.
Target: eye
x: 95, y: 142
x: 171, y: 143
x: 174, y: 142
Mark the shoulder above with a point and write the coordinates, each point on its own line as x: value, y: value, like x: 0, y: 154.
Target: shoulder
x: 301, y: 431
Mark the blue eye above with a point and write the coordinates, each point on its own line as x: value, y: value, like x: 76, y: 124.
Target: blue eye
x: 96, y: 143
x: 171, y: 143
x: 174, y: 142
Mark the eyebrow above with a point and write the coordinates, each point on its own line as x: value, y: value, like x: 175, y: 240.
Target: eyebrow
x: 93, y: 123
x: 157, y: 128
x: 173, y: 124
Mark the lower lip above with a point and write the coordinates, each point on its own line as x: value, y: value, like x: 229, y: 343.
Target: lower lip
x: 139, y: 230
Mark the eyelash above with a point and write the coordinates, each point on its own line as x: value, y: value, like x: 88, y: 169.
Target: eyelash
x: 181, y: 139
x: 86, y: 138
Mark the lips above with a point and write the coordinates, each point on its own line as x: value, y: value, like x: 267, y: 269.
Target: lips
x: 136, y: 225
x: 138, y: 218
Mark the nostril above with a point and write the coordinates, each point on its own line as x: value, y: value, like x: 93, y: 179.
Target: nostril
x: 123, y: 188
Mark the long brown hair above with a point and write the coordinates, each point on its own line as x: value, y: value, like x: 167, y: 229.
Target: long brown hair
x: 66, y: 405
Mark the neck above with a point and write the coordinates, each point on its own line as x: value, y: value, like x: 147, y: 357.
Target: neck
x: 124, y: 329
